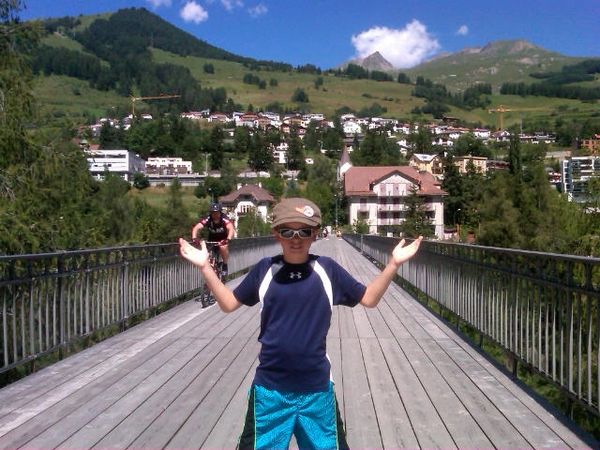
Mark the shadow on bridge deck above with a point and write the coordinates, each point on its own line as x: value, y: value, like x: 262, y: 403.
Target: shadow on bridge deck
x: 179, y: 380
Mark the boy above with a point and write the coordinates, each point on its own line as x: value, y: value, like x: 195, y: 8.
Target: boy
x: 292, y: 392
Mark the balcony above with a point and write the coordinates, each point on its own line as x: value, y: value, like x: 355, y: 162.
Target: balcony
x: 389, y: 221
x: 391, y: 207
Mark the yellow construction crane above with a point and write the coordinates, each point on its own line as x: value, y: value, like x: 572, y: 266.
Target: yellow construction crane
x: 154, y: 97
x: 500, y: 110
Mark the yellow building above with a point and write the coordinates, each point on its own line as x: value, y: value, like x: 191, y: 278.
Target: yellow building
x: 462, y: 162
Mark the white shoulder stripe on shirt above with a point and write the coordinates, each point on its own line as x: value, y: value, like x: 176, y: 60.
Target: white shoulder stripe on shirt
x: 266, y: 281
x: 326, y: 282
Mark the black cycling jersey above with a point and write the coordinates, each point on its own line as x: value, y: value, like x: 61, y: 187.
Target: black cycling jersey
x: 217, y: 231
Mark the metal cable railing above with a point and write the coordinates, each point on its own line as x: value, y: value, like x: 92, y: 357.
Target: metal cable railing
x: 49, y: 300
x: 542, y: 308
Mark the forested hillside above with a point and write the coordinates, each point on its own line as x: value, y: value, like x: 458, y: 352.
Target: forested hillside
x: 568, y: 83
x: 48, y: 199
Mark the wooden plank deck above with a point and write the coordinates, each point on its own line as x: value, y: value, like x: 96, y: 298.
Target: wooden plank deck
x: 404, y: 379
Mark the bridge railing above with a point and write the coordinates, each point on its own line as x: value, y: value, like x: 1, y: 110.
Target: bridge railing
x: 49, y: 300
x: 542, y: 308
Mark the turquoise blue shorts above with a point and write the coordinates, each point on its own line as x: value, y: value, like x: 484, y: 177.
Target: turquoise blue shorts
x: 273, y: 417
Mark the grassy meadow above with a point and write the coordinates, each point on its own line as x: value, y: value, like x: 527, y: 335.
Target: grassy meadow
x: 158, y: 196
x: 335, y: 92
x: 60, y: 96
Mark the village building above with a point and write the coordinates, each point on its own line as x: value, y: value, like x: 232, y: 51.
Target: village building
x: 377, y: 196
x: 121, y: 162
x: 168, y: 166
x: 247, y: 199
x: 463, y: 162
x: 427, y: 163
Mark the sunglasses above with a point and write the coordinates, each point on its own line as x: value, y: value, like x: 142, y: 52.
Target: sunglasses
x: 289, y: 233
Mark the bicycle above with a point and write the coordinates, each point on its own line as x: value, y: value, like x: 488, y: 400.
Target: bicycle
x: 215, y: 260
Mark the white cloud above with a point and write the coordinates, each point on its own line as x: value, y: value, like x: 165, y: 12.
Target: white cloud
x: 193, y: 12
x: 258, y: 10
x: 230, y: 5
x: 463, y: 30
x: 403, y: 48
x: 158, y: 3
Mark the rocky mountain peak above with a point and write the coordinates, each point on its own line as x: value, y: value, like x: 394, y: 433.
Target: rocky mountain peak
x: 376, y: 61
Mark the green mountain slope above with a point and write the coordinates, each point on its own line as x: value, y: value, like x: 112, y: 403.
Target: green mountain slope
x: 496, y: 63
x: 145, y: 28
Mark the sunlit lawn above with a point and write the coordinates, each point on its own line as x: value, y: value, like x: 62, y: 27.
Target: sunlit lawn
x: 159, y: 197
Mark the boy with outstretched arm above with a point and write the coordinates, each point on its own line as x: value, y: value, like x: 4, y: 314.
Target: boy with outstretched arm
x: 292, y: 392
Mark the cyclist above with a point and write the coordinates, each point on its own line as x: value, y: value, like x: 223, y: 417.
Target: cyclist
x: 220, y: 229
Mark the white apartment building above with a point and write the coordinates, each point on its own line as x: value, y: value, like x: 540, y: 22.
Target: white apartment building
x: 280, y: 153
x: 377, y: 195
x: 121, y: 162
x: 168, y: 166
x: 351, y: 127
x: 576, y: 172
x: 481, y: 133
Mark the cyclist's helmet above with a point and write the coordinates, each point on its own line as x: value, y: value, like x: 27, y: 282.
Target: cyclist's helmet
x: 216, y: 207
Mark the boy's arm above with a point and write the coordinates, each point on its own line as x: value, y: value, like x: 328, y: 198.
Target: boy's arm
x: 378, y: 286
x: 199, y: 257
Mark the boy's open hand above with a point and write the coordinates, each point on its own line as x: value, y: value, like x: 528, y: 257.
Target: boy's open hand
x: 401, y: 254
x: 197, y: 256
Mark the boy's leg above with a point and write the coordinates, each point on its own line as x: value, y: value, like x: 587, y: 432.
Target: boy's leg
x: 269, y: 421
x: 320, y: 424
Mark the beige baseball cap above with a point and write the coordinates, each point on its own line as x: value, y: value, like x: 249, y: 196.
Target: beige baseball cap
x: 296, y: 209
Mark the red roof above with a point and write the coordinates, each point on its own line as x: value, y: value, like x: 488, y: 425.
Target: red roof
x: 360, y: 180
x: 256, y: 192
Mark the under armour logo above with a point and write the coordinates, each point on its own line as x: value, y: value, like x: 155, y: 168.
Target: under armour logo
x: 294, y: 275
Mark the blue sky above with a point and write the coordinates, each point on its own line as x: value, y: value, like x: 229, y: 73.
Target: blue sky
x: 329, y: 32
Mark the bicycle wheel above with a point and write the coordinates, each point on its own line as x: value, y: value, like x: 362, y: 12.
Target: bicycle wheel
x: 206, y: 298
x: 218, y: 268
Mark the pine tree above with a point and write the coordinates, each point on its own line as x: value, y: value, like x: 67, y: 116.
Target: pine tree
x: 420, y: 140
x: 369, y: 153
x: 453, y: 184
x: 241, y: 140
x: 499, y: 217
x: 515, y: 166
x: 216, y: 148
x: 295, y: 152
x: 17, y: 39
x: 416, y: 221
x: 260, y: 156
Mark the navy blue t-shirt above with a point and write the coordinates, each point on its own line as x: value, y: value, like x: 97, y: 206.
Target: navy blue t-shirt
x: 296, y: 305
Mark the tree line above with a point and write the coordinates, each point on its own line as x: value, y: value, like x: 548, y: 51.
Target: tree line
x: 560, y: 84
x: 519, y: 208
x: 358, y: 72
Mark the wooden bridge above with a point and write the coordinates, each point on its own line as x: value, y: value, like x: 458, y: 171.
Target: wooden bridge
x: 404, y: 379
